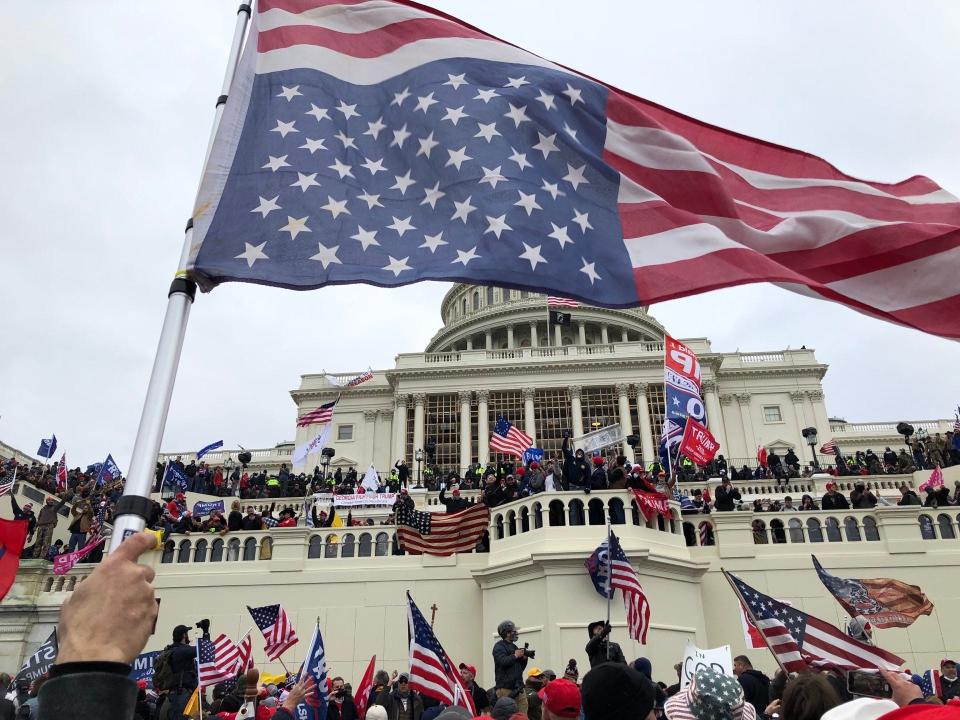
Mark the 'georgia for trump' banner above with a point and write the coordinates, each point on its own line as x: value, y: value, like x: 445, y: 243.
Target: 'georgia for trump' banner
x: 378, y: 499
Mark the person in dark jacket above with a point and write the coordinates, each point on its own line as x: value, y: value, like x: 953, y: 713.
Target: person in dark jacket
x: 833, y: 500
x: 454, y: 504
x: 251, y: 521
x: 598, y: 478
x: 727, y: 496
x: 492, y: 491
x: 24, y: 513
x: 861, y: 498
x: 756, y: 685
x: 401, y: 703
x: 183, y: 663
x: 576, y: 472
x: 235, y: 518
x: 509, y: 662
x: 908, y: 496
x: 403, y: 472
x: 599, y: 648
x: 341, y: 705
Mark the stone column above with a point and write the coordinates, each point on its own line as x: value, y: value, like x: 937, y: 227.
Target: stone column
x: 483, y: 427
x: 797, y: 398
x: 623, y: 400
x: 714, y: 414
x: 582, y: 327
x: 624, y: 335
x: 818, y: 412
x: 488, y: 337
x: 510, y: 337
x: 576, y: 410
x: 534, y: 339
x: 466, y: 447
x: 469, y: 343
x: 418, y: 400
x: 750, y: 442
x: 604, y: 335
x: 399, y: 428
x: 369, y: 437
x: 737, y: 448
x: 646, y: 428
x: 529, y: 419
x: 557, y: 335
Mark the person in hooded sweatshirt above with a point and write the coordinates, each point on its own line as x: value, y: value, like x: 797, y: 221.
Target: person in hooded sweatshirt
x: 596, y: 648
x: 756, y: 685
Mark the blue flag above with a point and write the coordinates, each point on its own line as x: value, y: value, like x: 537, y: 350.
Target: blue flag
x: 109, y: 472
x: 174, y: 478
x: 598, y: 565
x: 315, y: 665
x: 212, y: 446
x: 143, y: 667
x: 202, y: 508
x: 533, y: 454
x: 48, y: 446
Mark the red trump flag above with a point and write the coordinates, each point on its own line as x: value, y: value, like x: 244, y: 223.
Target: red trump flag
x: 698, y: 443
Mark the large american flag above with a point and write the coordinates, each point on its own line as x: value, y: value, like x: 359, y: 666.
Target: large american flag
x: 320, y: 416
x: 276, y: 628
x: 555, y: 302
x: 509, y: 439
x: 427, y: 533
x: 216, y: 660
x: 245, y: 655
x: 432, y: 672
x: 624, y: 578
x: 800, y: 641
x: 386, y: 143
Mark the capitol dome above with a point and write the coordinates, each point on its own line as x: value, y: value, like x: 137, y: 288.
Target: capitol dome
x: 492, y: 318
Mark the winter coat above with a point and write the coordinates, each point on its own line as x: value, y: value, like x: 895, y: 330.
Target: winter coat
x: 391, y: 700
x: 756, y: 689
x: 345, y: 711
x: 95, y: 694
x: 82, y: 516
x: 834, y: 502
x: 454, y: 504
x: 596, y: 650
x: 575, y: 469
x: 48, y: 514
x: 508, y: 668
x: 598, y: 479
x: 235, y: 521
x: 726, y: 497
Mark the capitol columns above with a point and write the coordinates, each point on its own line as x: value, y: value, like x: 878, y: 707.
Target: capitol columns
x: 624, y: 335
x: 646, y: 430
x: 796, y: 398
x: 623, y: 400
x: 750, y: 443
x: 582, y: 328
x: 466, y: 451
x: 604, y: 335
x: 534, y: 340
x: 509, y: 337
x: 529, y: 419
x: 488, y: 339
x: 483, y: 427
x: 399, y: 428
x: 418, y: 400
x: 576, y: 410
x: 715, y: 414
x: 370, y: 434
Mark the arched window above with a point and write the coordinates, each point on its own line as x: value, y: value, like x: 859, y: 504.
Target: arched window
x: 833, y: 529
x: 168, y: 549
x: 524, y: 520
x: 759, y: 532
x: 523, y: 294
x: 870, y: 530
x: 814, y: 530
x: 796, y: 530
x: 266, y: 548
x: 689, y: 534
x: 200, y: 553
x: 382, y: 546
x: 366, y: 545
x: 945, y: 527
x: 250, y: 549
x: 557, y: 514
x: 233, y: 550
x: 330, y: 547
x: 476, y: 300
x: 537, y: 516
x: 489, y: 295
x: 315, y: 549
x: 183, y: 554
x: 617, y: 516
x: 349, y: 545
x: 576, y: 512
x: 777, y: 531
x: 464, y: 306
x: 851, y: 529
x: 511, y: 523
x: 926, y: 528
x: 706, y: 536
x: 498, y: 526
x: 216, y: 551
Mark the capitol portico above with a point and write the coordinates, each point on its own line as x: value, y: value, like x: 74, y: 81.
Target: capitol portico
x: 496, y: 354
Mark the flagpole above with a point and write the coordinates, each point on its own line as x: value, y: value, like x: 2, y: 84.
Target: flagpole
x: 753, y: 619
x: 134, y: 508
x: 609, y: 584
x: 199, y: 684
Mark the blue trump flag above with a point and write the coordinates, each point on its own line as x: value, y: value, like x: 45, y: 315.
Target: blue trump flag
x: 598, y: 565
x: 108, y: 471
x: 173, y: 477
x: 533, y: 455
x: 212, y: 446
x: 314, y: 706
x: 142, y: 668
x: 202, y: 508
x: 48, y: 446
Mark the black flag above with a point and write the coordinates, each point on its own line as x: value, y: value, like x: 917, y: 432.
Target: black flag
x: 559, y: 318
x: 37, y: 664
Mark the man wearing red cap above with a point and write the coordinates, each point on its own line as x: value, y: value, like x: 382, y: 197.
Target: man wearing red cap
x: 561, y: 699
x: 833, y: 500
x: 949, y: 682
x: 454, y: 504
x: 480, y: 699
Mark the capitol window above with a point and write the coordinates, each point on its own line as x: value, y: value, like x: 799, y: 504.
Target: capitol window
x: 489, y: 295
x: 344, y: 432
x: 772, y: 414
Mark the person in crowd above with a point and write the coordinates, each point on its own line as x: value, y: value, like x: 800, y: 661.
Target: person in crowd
x: 54, y: 550
x: 833, y: 500
x: 505, y: 708
x: 453, y: 504
x: 936, y: 497
x: 808, y: 503
x: 788, y: 505
x: 341, y: 705
x: 509, y: 662
x: 251, y: 521
x: 756, y: 685
x: 806, y: 696
x: 24, y: 513
x: 949, y: 682
x: 560, y: 699
x: 403, y: 472
x: 401, y: 703
x: 600, y: 648
x: 571, y: 672
x: 861, y: 498
x: 46, y: 523
x: 377, y: 712
x: 859, y: 629
x: 82, y: 513
x: 615, y: 691
x: 576, y: 471
x: 468, y: 673
x: 531, y: 689
x: 726, y: 496
x: 908, y: 496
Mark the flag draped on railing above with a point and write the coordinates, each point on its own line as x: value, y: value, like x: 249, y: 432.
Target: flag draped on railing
x: 427, y: 533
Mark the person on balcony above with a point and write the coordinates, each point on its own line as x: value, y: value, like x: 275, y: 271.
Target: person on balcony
x: 598, y: 478
x: 403, y: 472
x: 727, y: 496
x: 937, y: 497
x: 908, y: 496
x: 861, y: 498
x: 453, y: 504
x: 833, y: 500
x: 576, y: 472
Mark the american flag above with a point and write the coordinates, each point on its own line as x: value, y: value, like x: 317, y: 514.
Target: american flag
x: 6, y: 486
x: 432, y: 672
x: 62, y: 473
x: 802, y: 641
x: 828, y: 448
x: 216, y: 660
x: 276, y: 629
x: 624, y: 577
x: 427, y: 533
x: 929, y: 683
x: 321, y: 416
x: 384, y: 143
x: 509, y: 439
x: 245, y: 653
x: 555, y: 302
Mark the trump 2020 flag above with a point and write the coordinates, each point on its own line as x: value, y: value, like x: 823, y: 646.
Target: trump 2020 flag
x: 172, y: 476
x: 109, y: 472
x: 314, y: 706
x: 212, y: 446
x: 386, y: 143
x: 48, y: 446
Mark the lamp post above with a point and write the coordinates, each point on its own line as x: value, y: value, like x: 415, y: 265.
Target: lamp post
x: 418, y: 456
x: 325, y: 456
x: 228, y: 466
x: 810, y: 435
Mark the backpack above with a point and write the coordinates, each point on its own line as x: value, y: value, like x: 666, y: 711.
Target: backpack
x: 164, y: 678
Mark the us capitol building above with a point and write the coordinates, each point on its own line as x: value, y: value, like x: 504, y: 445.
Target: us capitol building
x: 495, y: 354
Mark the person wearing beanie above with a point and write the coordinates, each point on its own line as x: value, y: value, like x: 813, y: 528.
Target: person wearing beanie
x: 376, y: 712
x: 571, y: 672
x: 615, y: 691
x: 454, y: 713
x: 504, y: 708
x: 599, y: 648
x: 561, y: 699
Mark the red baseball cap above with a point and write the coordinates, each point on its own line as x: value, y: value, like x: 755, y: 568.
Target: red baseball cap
x: 562, y: 698
x: 469, y: 668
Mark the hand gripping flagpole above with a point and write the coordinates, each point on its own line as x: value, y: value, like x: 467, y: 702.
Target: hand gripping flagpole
x: 133, y: 508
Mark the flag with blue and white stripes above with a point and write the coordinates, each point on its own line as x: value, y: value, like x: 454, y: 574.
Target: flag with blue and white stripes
x: 314, y: 706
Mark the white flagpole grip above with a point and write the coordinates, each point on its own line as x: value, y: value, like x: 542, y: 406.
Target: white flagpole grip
x: 134, y: 507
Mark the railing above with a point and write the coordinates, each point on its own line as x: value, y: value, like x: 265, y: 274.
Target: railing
x: 890, y: 428
x: 939, y: 524
x: 761, y: 357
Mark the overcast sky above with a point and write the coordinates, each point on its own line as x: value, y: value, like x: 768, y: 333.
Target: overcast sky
x: 103, y: 127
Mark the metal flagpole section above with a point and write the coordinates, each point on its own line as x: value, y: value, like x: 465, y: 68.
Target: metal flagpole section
x: 609, y: 584
x: 134, y: 507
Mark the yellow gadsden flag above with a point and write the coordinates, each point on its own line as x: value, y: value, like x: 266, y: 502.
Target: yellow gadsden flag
x: 192, y: 708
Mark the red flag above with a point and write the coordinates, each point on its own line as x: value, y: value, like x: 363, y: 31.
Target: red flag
x: 698, y: 443
x: 935, y: 481
x: 65, y: 561
x: 13, y: 536
x: 651, y: 504
x: 62, y: 473
x: 762, y: 456
x: 681, y: 360
x: 362, y: 694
